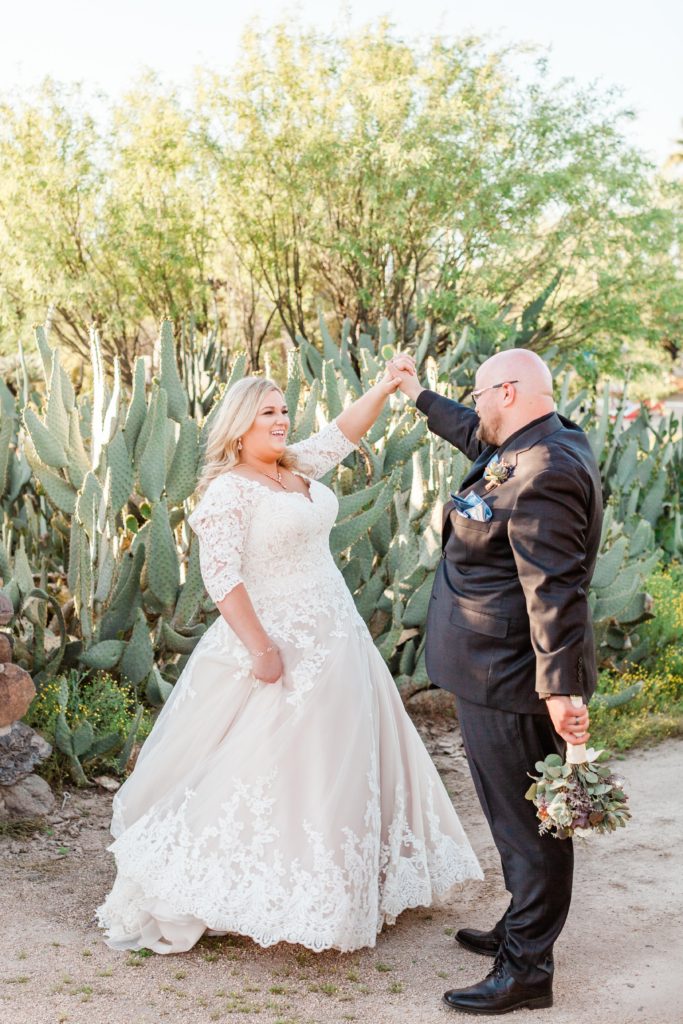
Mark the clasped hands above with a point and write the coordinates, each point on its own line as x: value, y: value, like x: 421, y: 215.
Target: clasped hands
x: 399, y: 374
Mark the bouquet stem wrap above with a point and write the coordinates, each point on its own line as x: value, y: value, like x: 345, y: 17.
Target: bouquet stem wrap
x: 576, y: 752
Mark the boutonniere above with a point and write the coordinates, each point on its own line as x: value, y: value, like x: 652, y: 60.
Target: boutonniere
x: 497, y: 472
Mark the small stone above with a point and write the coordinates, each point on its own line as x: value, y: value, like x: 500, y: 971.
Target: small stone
x: 432, y: 703
x: 29, y: 798
x: 107, y: 782
x: 5, y: 648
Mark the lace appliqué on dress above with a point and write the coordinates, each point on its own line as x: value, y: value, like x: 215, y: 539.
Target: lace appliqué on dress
x: 233, y: 875
x: 221, y: 521
x: 321, y: 452
x: 277, y: 544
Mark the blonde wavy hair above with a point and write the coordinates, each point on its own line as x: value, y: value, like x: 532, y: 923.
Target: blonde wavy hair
x: 236, y: 413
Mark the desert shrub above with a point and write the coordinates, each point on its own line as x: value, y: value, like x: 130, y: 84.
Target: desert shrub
x: 661, y: 638
x: 97, y: 698
x: 657, y: 710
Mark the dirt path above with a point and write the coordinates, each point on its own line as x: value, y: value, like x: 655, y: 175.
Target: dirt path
x: 618, y: 961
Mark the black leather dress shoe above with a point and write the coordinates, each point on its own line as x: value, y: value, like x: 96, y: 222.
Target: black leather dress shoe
x: 486, y: 943
x: 499, y: 992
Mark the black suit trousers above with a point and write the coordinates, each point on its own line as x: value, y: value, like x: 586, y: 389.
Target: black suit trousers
x: 501, y: 747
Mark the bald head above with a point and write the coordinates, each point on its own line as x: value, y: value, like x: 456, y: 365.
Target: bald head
x: 529, y: 369
x: 527, y: 396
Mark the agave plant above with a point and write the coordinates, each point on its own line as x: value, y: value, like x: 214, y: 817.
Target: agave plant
x: 115, y: 474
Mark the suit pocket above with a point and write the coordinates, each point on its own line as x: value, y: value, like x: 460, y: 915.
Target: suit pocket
x: 470, y: 524
x: 478, y: 621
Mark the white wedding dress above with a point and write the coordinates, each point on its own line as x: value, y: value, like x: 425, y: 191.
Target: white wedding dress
x: 308, y: 810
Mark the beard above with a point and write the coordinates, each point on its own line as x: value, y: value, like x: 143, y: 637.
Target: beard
x: 488, y: 431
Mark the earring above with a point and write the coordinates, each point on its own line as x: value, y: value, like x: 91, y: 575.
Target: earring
x: 239, y: 444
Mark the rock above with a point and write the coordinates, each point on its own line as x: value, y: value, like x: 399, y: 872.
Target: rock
x: 16, y: 693
x: 5, y: 648
x: 29, y: 798
x: 6, y: 609
x: 407, y: 688
x: 107, y: 782
x: 21, y: 749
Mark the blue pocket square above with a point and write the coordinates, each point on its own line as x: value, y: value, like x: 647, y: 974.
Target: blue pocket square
x: 472, y: 507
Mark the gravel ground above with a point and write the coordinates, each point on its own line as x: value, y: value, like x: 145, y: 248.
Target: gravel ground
x: 617, y: 962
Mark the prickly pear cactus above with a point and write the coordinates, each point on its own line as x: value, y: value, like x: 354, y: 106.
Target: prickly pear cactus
x: 95, y: 486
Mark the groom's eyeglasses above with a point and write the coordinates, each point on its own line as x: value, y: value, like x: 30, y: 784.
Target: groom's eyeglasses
x: 474, y: 395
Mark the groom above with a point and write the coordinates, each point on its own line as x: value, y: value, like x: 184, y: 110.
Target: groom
x: 509, y: 633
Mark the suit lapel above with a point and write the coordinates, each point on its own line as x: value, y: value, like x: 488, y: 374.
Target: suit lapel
x: 476, y: 470
x: 528, y: 438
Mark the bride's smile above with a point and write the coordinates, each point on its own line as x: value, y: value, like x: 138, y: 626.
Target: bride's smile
x: 266, y: 439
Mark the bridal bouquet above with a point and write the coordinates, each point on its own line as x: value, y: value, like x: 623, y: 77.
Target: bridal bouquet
x: 577, y: 798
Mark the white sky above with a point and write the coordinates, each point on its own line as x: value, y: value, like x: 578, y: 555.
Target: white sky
x: 636, y: 46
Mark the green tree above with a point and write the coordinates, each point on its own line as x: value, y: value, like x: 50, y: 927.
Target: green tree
x: 354, y: 174
x: 373, y: 177
x: 105, y: 222
x: 49, y: 183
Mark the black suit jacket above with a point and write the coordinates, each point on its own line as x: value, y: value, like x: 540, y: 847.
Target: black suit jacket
x: 509, y: 614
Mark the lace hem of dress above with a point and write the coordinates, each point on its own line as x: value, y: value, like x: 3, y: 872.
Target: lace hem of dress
x: 123, y: 913
x: 221, y: 876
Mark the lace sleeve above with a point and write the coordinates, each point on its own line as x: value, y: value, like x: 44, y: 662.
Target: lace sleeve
x: 220, y: 520
x: 321, y: 452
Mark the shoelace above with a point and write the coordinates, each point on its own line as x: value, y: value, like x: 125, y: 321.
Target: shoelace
x: 498, y: 969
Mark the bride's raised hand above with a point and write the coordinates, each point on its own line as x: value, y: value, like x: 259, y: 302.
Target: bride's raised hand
x: 402, y: 362
x: 403, y: 366
x: 390, y: 380
x: 267, y: 665
x: 358, y: 417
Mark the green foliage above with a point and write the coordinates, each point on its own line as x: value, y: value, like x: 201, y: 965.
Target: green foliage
x: 659, y: 642
x: 642, y: 469
x: 120, y: 557
x: 617, y: 598
x: 642, y: 472
x: 113, y: 519
x: 127, y: 208
x: 654, y: 712
x: 655, y: 707
x: 89, y: 720
x: 426, y: 181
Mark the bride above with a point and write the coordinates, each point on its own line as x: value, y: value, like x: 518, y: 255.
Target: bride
x: 284, y: 793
